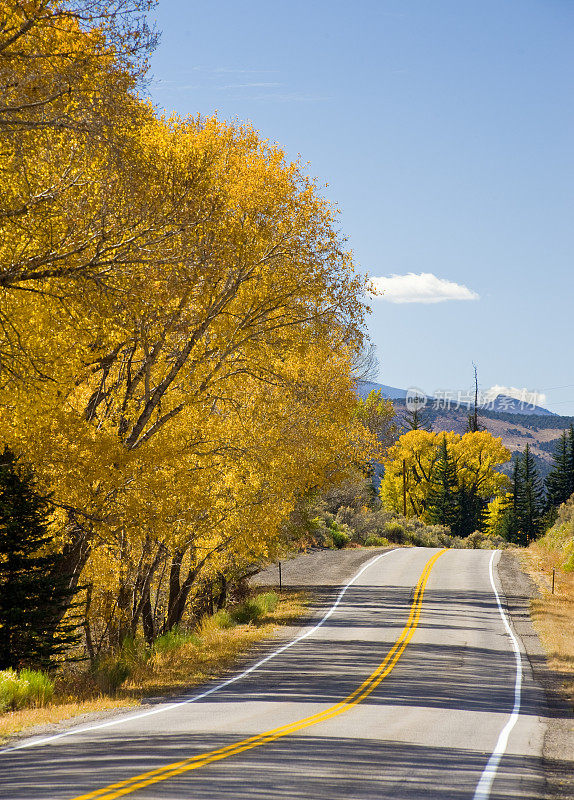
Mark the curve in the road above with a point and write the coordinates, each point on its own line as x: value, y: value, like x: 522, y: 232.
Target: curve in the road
x: 170, y: 706
x: 122, y: 788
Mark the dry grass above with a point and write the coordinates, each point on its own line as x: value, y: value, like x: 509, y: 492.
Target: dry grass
x: 164, y: 673
x: 14, y: 721
x: 553, y: 614
x: 191, y: 665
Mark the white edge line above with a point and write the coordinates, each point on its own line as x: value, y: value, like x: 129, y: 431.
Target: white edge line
x: 486, y: 779
x: 223, y: 685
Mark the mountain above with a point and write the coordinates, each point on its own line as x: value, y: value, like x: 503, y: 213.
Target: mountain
x: 536, y: 426
x: 365, y: 387
x: 511, y: 405
x: 502, y: 402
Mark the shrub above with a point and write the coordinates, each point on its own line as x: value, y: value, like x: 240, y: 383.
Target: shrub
x: 12, y: 690
x: 376, y: 541
x: 255, y: 608
x: 134, y: 651
x: 40, y: 689
x: 222, y: 619
x: 560, y: 537
x: 339, y: 537
x: 173, y: 639
x: 26, y: 688
x: 110, y: 673
x: 249, y: 611
x: 267, y: 601
x: 395, y: 532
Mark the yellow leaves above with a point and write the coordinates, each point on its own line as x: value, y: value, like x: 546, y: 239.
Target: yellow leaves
x: 477, y: 457
x: 495, y: 513
x: 183, y: 319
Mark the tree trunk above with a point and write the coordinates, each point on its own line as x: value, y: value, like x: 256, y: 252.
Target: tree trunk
x: 222, y: 597
x: 147, y: 618
x: 175, y: 613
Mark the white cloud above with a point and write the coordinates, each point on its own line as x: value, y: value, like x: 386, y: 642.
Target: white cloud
x: 526, y: 396
x: 423, y: 288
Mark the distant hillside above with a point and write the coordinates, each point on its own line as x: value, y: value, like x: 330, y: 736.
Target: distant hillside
x: 536, y: 426
x: 365, y: 387
x: 516, y: 430
x: 501, y: 403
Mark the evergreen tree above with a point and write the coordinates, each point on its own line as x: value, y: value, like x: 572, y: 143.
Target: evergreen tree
x: 511, y: 524
x: 532, y: 498
x: 472, y: 511
x: 414, y: 418
x: 443, y: 502
x: 524, y: 519
x: 31, y: 599
x: 559, y: 479
x: 570, y: 482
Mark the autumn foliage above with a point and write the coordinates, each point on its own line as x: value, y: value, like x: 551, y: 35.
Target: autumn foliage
x: 178, y: 319
x: 445, y: 478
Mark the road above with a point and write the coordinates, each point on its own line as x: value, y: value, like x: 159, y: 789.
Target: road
x: 404, y: 691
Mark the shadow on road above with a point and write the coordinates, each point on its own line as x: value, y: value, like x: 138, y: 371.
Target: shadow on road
x: 334, y: 767
x: 324, y: 669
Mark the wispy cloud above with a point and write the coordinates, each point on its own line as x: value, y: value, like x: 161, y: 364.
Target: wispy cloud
x: 422, y: 288
x: 244, y: 84
x: 526, y: 396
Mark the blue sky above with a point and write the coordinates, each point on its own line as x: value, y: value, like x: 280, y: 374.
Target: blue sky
x: 444, y: 130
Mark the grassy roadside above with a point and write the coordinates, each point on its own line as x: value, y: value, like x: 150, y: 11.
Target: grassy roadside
x: 553, y: 614
x: 186, y: 662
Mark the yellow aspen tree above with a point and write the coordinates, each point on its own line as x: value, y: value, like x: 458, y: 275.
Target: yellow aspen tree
x: 409, y: 465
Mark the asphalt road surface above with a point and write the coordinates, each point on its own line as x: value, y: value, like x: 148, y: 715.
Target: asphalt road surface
x: 412, y: 687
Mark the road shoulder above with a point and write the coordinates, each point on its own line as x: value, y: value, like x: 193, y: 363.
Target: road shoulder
x: 519, y: 589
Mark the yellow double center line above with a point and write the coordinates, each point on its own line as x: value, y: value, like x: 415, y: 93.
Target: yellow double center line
x: 360, y: 693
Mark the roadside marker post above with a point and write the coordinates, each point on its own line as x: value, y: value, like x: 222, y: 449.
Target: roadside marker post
x: 280, y: 582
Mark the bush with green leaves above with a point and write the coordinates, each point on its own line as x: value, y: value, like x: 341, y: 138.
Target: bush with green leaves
x: 373, y: 540
x: 249, y: 611
x: 134, y: 651
x: 109, y: 674
x: 24, y: 688
x: 395, y: 532
x: 222, y: 619
x: 339, y: 537
x: 267, y: 601
x: 255, y: 608
x: 174, y: 639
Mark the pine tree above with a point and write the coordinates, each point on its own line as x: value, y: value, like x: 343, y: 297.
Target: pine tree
x: 570, y: 481
x: 414, y: 418
x: 31, y: 599
x: 510, y: 526
x: 532, y: 499
x: 443, y: 502
x: 524, y: 519
x: 472, y: 511
x: 559, y: 479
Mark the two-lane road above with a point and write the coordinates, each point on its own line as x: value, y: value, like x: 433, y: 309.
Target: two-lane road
x: 405, y: 690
